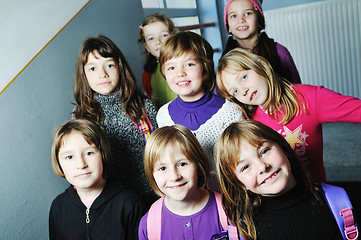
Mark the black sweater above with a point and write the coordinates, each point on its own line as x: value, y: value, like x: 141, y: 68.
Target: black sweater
x: 115, y: 214
x: 295, y: 215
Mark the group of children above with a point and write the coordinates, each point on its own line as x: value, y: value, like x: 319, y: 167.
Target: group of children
x: 123, y: 150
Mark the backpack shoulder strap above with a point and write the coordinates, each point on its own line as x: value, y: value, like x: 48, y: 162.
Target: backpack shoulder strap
x: 154, y: 220
x: 341, y: 207
x: 232, y: 230
x: 221, y: 213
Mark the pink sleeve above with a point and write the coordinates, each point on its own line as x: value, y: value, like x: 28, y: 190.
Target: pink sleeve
x: 334, y: 107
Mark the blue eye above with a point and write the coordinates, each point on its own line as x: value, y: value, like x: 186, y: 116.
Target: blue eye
x: 92, y: 69
x: 244, y: 77
x: 235, y: 92
x: 69, y: 157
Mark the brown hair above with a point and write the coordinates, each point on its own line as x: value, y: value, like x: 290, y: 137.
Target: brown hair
x: 91, y: 132
x: 239, y: 204
x: 185, y: 42
x: 282, y: 103
x: 182, y: 138
x: 130, y: 96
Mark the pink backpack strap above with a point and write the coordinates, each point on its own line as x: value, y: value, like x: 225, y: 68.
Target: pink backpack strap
x: 232, y: 230
x: 351, y: 231
x: 154, y: 220
x: 221, y: 213
x: 341, y: 207
x: 233, y: 234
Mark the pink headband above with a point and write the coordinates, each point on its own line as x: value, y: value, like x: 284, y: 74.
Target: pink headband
x: 256, y: 3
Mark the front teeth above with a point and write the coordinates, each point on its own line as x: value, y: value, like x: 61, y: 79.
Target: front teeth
x: 270, y: 177
x: 242, y: 28
x: 183, y: 83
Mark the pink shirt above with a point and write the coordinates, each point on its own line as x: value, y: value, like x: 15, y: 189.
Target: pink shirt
x: 304, y: 132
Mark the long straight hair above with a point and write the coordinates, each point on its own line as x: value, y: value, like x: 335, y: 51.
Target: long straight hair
x: 282, y: 103
x: 240, y: 203
x: 131, y: 98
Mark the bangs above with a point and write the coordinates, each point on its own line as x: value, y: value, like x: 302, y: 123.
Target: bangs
x: 102, y: 47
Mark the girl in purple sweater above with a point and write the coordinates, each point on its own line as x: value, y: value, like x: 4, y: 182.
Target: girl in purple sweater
x: 177, y: 169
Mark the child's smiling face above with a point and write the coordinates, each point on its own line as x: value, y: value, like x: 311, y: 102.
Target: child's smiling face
x: 184, y: 75
x: 175, y: 175
x: 242, y: 20
x: 265, y: 169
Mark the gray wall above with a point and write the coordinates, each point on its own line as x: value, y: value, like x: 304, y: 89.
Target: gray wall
x: 38, y: 101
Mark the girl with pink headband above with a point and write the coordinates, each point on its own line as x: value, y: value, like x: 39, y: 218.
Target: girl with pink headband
x: 244, y: 21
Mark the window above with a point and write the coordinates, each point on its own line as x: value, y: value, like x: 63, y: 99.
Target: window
x: 183, y: 13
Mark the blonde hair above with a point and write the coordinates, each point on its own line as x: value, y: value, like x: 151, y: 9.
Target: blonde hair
x: 190, y: 42
x: 239, y: 204
x: 182, y: 138
x: 282, y: 103
x: 91, y: 132
x: 130, y: 96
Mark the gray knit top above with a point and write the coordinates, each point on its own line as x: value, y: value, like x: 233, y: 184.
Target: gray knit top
x: 127, y: 145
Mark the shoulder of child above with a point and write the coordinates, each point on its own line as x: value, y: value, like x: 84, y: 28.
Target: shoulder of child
x: 162, y: 114
x: 233, y: 109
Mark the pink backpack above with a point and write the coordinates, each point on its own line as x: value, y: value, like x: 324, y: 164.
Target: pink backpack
x: 154, y: 219
x: 341, y: 207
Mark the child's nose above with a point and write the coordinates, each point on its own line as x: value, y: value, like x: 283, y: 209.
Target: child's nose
x: 245, y: 91
x: 81, y: 163
x: 103, y: 73
x: 181, y: 72
x: 158, y: 41
x: 174, y: 175
x: 264, y: 167
x: 242, y: 18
